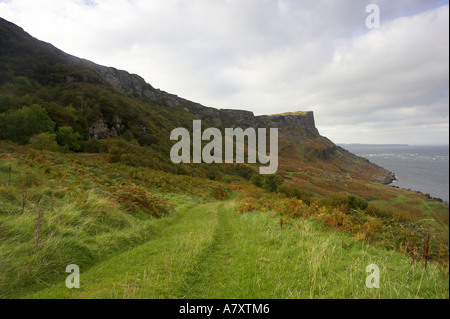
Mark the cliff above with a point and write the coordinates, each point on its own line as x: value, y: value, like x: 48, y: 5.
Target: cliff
x: 85, y: 96
x: 82, y: 70
x: 135, y: 85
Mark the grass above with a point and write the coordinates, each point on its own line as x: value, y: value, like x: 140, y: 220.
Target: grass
x: 83, y: 235
x: 213, y: 252
x: 141, y: 233
x: 51, y: 216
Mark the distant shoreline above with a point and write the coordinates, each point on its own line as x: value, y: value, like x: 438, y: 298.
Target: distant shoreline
x: 390, y: 145
x: 373, y: 145
x: 385, y: 155
x: 437, y: 199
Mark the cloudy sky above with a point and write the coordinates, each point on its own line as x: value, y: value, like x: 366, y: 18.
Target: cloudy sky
x: 380, y: 85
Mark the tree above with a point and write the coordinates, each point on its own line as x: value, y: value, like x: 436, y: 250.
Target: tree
x: 44, y: 141
x: 271, y: 182
x: 19, y: 125
x: 68, y: 139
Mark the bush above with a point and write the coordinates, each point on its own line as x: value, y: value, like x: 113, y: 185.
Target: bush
x: 44, y: 141
x: 257, y: 180
x: 119, y: 148
x: 221, y: 192
x: 68, y: 139
x: 135, y: 198
x: 148, y: 139
x: 245, y: 171
x: 213, y: 173
x: 271, y: 183
x: 226, y: 179
x: 28, y: 179
x: 349, y: 201
x: 6, y: 103
x: 294, y: 192
x: 355, y: 202
x: 386, y: 213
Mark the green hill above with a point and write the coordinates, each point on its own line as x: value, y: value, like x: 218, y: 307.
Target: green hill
x: 143, y: 233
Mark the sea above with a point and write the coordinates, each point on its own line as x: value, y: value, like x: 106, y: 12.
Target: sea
x: 423, y: 168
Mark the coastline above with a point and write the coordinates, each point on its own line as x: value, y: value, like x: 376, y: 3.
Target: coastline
x: 426, y: 176
x: 391, y: 178
x: 427, y: 195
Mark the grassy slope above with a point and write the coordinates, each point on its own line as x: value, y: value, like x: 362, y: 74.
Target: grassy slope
x: 202, y: 248
x: 320, y: 178
x: 213, y: 252
x: 88, y: 214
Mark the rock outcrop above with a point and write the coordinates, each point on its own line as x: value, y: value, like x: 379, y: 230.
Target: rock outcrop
x: 100, y: 130
x: 135, y: 85
x: 244, y: 119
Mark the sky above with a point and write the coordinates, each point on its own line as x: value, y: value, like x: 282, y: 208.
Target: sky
x: 388, y: 84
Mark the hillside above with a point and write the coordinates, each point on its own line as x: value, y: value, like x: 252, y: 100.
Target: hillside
x: 142, y: 233
x: 86, y: 178
x: 81, y: 94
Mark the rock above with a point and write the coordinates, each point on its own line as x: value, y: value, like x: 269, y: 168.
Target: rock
x: 99, y: 130
x: 290, y: 121
x: 143, y: 129
x: 135, y: 85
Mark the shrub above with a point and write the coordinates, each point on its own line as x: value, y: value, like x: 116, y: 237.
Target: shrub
x: 68, y: 139
x: 135, y: 198
x: 226, y: 179
x: 294, y: 192
x: 376, y: 211
x: 28, y: 179
x: 355, y: 202
x: 245, y: 171
x: 44, y: 141
x: 349, y: 202
x: 386, y: 213
x: 271, y: 183
x: 213, y: 173
x: 257, y: 180
x: 220, y: 192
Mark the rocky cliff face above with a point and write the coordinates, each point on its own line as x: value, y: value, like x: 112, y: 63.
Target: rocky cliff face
x: 129, y: 83
x: 289, y: 121
x: 135, y: 85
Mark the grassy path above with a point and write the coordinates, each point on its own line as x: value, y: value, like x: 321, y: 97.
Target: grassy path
x: 210, y: 251
x: 151, y: 270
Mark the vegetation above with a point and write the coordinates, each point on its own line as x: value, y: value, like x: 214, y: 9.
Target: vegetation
x: 20, y: 125
x: 353, y: 215
x: 209, y: 251
x: 143, y: 233
x: 138, y: 225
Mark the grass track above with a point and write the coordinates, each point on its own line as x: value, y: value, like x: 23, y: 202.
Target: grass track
x: 210, y: 251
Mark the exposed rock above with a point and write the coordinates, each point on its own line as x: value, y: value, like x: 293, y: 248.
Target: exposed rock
x: 244, y: 119
x: 135, y: 85
x: 143, y: 129
x: 295, y: 120
x: 390, y: 177
x: 99, y: 130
